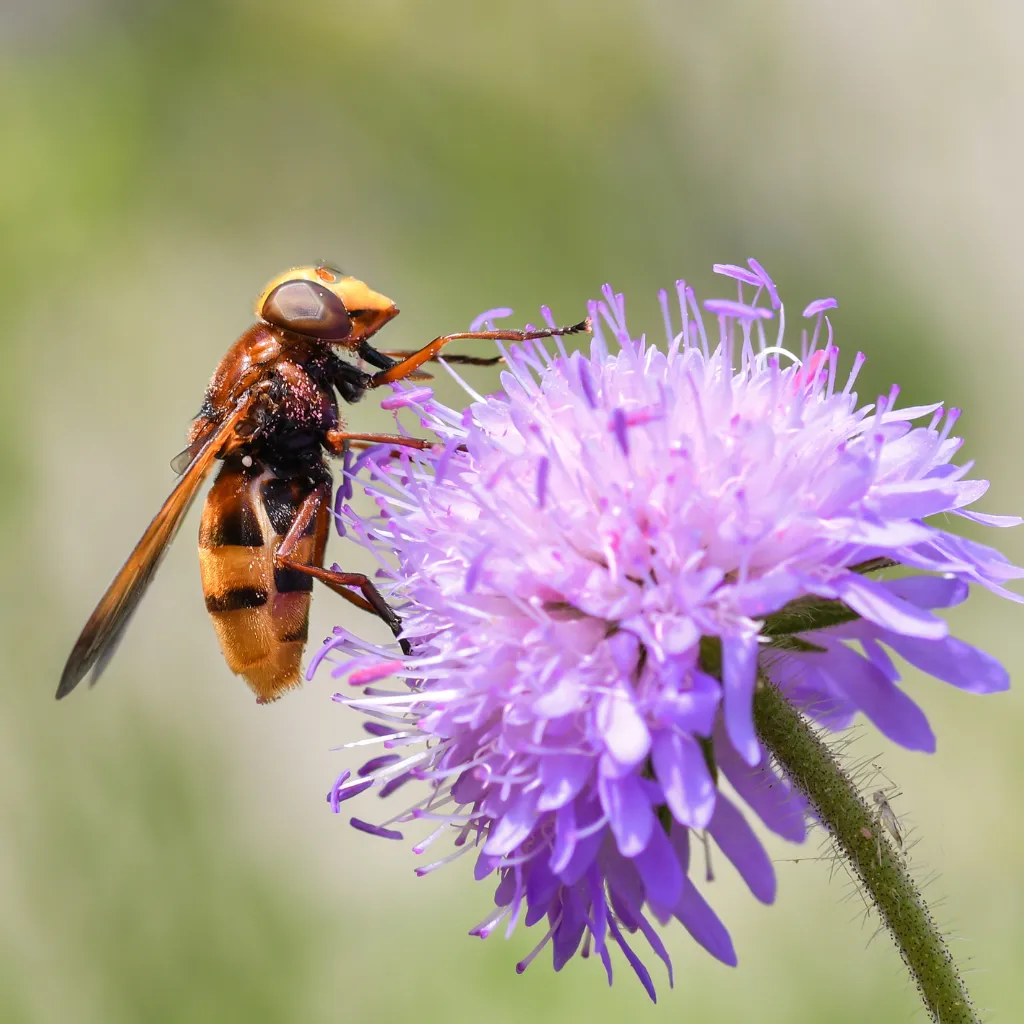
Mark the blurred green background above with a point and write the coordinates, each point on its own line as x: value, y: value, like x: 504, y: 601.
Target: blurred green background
x: 165, y: 850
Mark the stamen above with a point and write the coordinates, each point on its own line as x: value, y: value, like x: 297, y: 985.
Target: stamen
x: 406, y: 397
x: 819, y: 306
x: 531, y: 956
x: 484, y: 320
x: 727, y: 308
x: 489, y: 923
x: 374, y: 830
x: 738, y: 274
x: 454, y: 855
x: 543, y: 469
x: 767, y: 281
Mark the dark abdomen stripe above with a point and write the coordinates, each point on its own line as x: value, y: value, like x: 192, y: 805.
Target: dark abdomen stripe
x: 291, y: 581
x: 282, y: 500
x: 299, y: 635
x: 233, y: 520
x: 236, y: 598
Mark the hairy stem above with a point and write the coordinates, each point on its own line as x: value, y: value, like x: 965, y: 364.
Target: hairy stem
x: 864, y: 845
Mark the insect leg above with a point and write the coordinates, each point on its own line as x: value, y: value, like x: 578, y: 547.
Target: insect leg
x: 339, y: 582
x: 386, y: 360
x: 460, y: 359
x: 429, y: 351
x: 338, y: 439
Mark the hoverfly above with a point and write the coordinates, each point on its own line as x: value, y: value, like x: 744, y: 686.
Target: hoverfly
x: 270, y: 415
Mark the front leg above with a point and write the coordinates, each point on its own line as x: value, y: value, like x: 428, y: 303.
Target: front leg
x: 412, y: 362
x: 386, y: 360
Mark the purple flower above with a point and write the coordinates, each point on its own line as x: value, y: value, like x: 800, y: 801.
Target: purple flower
x: 595, y: 566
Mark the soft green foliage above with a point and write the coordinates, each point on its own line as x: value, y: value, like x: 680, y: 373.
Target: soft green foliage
x: 166, y: 854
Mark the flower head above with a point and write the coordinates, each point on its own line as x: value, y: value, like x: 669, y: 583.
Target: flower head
x: 596, y: 568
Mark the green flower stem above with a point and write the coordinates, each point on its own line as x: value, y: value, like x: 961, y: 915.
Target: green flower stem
x: 860, y: 838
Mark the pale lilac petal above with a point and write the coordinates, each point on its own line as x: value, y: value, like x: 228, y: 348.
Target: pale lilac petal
x: 739, y: 674
x: 562, y: 776
x: 990, y: 520
x: 682, y: 770
x: 514, y: 826
x: 626, y: 733
x: 879, y: 605
x: 929, y: 591
x: 659, y: 868
x: 629, y: 814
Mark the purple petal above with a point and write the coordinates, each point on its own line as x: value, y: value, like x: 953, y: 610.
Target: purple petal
x: 624, y: 883
x: 515, y: 825
x: 879, y: 605
x: 569, y: 932
x: 768, y: 593
x: 541, y: 885
x: 583, y: 854
x: 739, y: 843
x: 990, y: 520
x: 682, y: 770
x: 929, y: 591
x: 629, y: 812
x: 634, y: 961
x: 658, y: 946
x: 623, y: 729
x: 562, y: 776
x: 485, y: 864
x: 739, y: 674
x: 781, y: 807
x: 703, y: 925
x: 564, y: 846
x: 659, y: 868
x: 895, y: 714
x: 598, y: 905
x: 952, y: 661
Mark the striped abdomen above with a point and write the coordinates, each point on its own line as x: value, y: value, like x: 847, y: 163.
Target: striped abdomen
x: 261, y: 613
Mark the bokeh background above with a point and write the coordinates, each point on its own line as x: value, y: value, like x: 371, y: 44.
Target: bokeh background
x: 166, y: 853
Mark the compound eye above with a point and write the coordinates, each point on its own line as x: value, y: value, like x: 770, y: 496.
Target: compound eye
x: 307, y: 308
